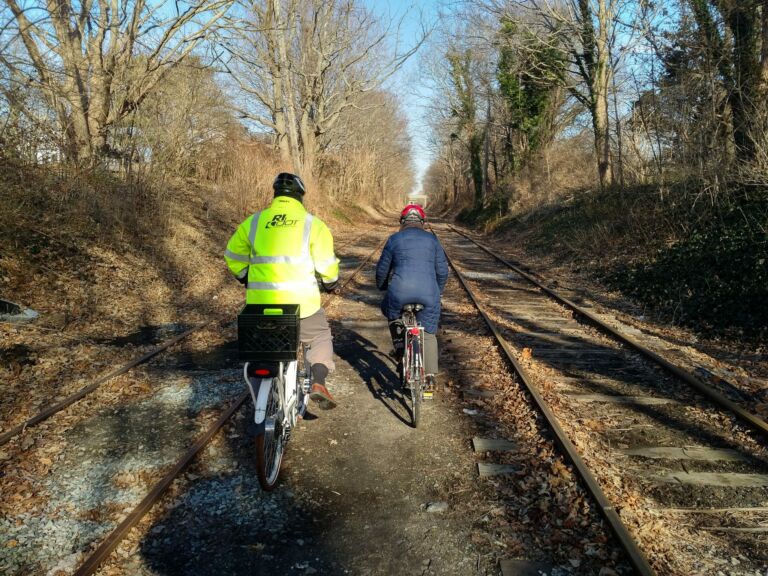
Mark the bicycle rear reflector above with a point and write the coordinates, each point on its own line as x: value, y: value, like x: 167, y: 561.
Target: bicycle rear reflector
x: 262, y: 369
x: 414, y: 331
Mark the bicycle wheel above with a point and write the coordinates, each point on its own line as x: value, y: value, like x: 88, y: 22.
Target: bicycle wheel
x: 270, y: 442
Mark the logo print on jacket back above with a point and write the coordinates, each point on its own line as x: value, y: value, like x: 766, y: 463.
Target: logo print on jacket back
x: 280, y: 221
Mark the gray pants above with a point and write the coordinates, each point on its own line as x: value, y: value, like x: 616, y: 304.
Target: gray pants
x: 430, y: 353
x: 315, y: 333
x: 396, y: 330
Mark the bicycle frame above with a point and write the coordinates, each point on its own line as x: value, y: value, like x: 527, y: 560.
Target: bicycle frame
x: 413, y: 354
x: 293, y: 387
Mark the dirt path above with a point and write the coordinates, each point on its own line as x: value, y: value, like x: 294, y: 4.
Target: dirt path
x: 379, y: 478
x: 362, y: 492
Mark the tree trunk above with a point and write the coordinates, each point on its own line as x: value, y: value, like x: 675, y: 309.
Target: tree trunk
x: 454, y: 176
x: 602, y: 143
x: 743, y: 98
x: 619, y: 140
x: 602, y: 78
x: 82, y: 151
x: 486, y: 145
x: 762, y: 93
x: 308, y: 144
x: 281, y: 138
x: 764, y: 47
x: 273, y: 62
x: 476, y: 166
x: 286, y: 96
x: 100, y: 98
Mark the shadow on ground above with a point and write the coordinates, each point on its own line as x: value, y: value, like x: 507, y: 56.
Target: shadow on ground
x: 378, y: 370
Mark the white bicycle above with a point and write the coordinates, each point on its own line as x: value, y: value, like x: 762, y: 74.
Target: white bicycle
x: 278, y: 377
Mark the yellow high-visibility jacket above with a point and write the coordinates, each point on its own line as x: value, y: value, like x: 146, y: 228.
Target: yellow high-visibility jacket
x: 280, y: 249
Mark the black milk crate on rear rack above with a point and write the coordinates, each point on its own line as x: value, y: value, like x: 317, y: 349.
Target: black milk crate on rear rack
x: 268, y: 332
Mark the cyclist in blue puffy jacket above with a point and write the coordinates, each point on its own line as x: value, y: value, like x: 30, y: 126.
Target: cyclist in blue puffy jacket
x: 413, y: 269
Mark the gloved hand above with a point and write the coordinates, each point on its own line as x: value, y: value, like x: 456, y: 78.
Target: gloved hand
x: 331, y: 287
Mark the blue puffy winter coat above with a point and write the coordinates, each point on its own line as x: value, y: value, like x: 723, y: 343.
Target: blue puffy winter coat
x: 413, y: 270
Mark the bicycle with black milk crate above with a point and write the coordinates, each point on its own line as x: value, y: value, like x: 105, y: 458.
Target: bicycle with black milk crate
x: 278, y: 377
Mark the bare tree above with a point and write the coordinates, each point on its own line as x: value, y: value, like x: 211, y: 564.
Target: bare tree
x: 302, y: 63
x: 95, y: 62
x: 732, y: 30
x: 372, y: 140
x: 585, y: 31
x: 179, y: 122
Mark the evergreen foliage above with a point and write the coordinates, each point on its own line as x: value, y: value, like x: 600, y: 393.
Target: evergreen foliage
x: 716, y: 277
x: 465, y: 113
x: 527, y: 80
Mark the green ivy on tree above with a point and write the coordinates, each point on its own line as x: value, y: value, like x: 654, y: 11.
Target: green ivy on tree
x: 528, y: 78
x: 465, y: 114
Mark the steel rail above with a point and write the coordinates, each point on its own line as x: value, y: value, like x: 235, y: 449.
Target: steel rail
x: 80, y: 394
x: 93, y: 562
x: 350, y: 241
x: 108, y: 545
x: 69, y: 400
x: 636, y: 556
x: 715, y: 396
x: 361, y: 266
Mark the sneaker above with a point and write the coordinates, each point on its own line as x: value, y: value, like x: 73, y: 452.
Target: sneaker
x: 320, y: 394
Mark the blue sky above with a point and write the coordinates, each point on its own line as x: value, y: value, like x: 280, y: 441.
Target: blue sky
x: 406, y: 84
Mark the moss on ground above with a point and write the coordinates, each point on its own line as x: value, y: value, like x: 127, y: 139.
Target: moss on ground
x: 715, y: 277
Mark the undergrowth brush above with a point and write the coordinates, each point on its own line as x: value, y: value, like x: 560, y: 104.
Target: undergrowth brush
x: 89, y: 248
x: 90, y: 245
x: 715, y: 276
x: 696, y: 259
x: 486, y: 216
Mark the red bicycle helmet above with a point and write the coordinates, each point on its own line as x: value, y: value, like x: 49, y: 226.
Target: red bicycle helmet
x: 412, y: 213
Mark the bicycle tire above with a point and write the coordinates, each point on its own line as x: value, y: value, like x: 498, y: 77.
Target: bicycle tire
x: 270, y: 445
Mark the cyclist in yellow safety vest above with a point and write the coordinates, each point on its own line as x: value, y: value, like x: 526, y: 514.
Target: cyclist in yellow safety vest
x: 284, y: 255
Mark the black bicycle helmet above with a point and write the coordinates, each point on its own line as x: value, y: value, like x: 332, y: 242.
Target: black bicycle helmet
x: 287, y: 182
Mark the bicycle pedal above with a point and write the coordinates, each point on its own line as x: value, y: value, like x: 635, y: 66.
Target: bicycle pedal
x: 427, y: 395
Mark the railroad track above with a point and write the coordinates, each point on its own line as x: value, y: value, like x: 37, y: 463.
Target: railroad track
x: 56, y: 459
x: 653, y: 445
x: 108, y: 545
x: 60, y: 405
x: 572, y: 370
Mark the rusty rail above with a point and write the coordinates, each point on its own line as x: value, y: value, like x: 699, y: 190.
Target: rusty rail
x: 712, y: 394
x: 636, y: 556
x: 108, y: 545
x: 69, y: 400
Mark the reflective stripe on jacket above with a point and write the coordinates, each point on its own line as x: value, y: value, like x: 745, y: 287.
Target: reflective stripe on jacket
x: 280, y: 249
